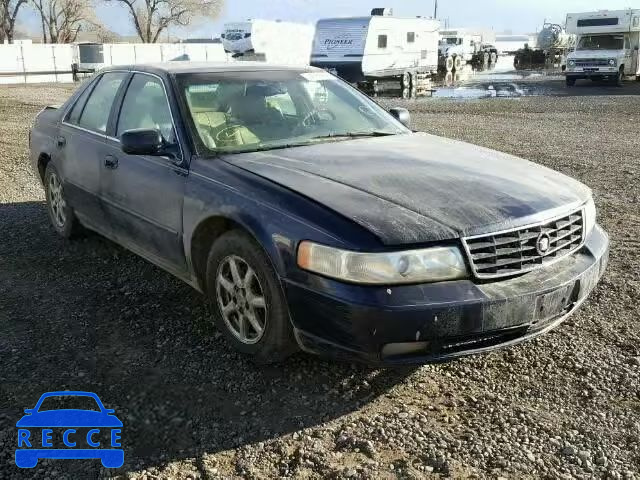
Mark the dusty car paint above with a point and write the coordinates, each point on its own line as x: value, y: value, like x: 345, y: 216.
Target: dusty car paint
x: 365, y: 195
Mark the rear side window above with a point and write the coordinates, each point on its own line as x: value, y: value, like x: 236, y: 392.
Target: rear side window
x: 145, y: 105
x: 382, y: 41
x: 95, y: 114
x: 74, y: 115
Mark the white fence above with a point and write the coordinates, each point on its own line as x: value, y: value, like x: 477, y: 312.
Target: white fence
x: 38, y: 63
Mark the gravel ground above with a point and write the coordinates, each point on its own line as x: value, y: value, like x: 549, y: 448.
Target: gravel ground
x: 88, y: 315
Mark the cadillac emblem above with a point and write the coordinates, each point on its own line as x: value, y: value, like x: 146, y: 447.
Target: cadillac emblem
x: 543, y: 243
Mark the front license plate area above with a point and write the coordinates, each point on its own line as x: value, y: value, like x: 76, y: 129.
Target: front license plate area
x: 553, y: 304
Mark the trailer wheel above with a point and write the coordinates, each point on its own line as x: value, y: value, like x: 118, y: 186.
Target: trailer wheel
x: 494, y: 58
x: 485, y: 59
x: 457, y: 63
x: 449, y: 64
x: 406, y: 80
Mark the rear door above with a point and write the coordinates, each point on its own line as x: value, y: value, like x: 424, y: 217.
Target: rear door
x: 81, y: 145
x: 143, y: 195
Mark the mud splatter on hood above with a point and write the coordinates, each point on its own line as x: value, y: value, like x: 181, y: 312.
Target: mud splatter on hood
x: 418, y: 188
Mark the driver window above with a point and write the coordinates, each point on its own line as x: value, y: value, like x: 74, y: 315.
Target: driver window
x: 145, y: 105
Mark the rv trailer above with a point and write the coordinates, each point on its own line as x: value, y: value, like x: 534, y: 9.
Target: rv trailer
x: 607, y: 48
x: 378, y: 47
x: 272, y: 41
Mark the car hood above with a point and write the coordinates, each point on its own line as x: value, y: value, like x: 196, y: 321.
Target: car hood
x: 69, y: 418
x: 416, y: 188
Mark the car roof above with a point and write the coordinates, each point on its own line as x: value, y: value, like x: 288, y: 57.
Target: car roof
x: 209, y: 67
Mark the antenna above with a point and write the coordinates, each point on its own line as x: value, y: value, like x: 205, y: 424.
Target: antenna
x: 435, y: 10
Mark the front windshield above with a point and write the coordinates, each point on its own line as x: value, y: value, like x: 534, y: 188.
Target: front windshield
x: 601, y: 42
x: 452, y: 41
x: 248, y: 111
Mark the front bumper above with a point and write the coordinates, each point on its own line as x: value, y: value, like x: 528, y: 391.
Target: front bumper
x: 418, y: 324
x: 596, y: 72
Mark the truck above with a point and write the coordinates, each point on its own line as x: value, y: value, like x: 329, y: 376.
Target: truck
x: 460, y: 47
x: 607, y: 46
x: 376, y: 47
x: 273, y: 41
x: 553, y: 44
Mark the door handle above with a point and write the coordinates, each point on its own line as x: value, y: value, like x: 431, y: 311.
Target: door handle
x: 111, y: 162
x: 61, y: 141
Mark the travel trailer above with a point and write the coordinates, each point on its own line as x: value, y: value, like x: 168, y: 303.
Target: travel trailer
x: 607, y: 47
x: 272, y: 41
x: 461, y: 47
x: 378, y: 46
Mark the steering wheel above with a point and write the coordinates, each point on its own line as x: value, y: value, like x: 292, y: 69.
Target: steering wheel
x: 314, y: 116
x: 227, y: 134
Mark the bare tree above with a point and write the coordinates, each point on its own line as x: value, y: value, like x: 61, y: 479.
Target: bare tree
x: 152, y: 17
x: 63, y: 20
x: 8, y: 13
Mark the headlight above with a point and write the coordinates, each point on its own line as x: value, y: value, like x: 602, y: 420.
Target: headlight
x: 572, y: 63
x: 612, y: 62
x: 411, y: 266
x: 589, y: 217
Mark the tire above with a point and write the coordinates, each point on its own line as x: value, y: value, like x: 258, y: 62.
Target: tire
x: 257, y: 323
x: 457, y: 63
x: 62, y: 217
x: 494, y: 58
x: 571, y: 82
x: 619, y: 78
x: 406, y: 80
x: 449, y: 64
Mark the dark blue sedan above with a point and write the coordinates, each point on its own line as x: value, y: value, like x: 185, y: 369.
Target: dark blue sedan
x: 312, y: 218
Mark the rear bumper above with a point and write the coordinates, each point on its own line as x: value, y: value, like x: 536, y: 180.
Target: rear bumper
x: 437, y: 322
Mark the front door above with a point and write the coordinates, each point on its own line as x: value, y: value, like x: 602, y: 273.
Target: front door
x: 143, y: 195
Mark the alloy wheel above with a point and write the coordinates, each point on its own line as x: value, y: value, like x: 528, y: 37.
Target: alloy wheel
x: 241, y: 300
x: 57, y: 202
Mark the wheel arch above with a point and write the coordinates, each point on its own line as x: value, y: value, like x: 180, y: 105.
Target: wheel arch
x: 43, y: 160
x: 211, y: 227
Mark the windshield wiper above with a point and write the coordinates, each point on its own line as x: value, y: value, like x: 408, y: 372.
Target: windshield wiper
x: 374, y: 133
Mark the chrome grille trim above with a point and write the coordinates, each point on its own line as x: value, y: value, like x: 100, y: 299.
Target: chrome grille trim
x: 513, y: 252
x: 592, y: 62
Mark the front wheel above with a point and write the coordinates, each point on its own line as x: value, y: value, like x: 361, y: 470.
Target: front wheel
x: 571, y: 82
x: 618, y: 80
x: 248, y: 303
x: 61, y: 214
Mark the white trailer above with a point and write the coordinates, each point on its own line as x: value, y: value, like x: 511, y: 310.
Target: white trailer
x: 377, y: 47
x: 607, y: 47
x: 272, y: 41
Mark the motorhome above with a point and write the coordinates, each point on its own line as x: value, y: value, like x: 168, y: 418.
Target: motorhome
x: 607, y: 47
x: 377, y: 46
x: 272, y: 41
x: 460, y: 47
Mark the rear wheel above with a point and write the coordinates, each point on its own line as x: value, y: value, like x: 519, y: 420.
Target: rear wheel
x: 457, y: 63
x: 406, y: 80
x: 247, y: 299
x: 449, y: 64
x: 61, y: 214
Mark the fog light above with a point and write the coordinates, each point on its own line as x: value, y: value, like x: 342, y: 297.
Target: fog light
x: 612, y: 62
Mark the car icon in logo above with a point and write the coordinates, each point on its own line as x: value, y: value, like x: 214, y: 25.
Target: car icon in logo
x: 69, y: 433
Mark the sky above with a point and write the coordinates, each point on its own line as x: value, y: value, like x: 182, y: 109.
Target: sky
x: 500, y: 15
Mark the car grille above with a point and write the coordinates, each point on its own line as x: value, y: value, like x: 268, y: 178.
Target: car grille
x: 596, y: 62
x: 522, y: 250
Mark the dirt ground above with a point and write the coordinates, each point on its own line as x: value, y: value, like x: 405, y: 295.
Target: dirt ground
x: 88, y: 315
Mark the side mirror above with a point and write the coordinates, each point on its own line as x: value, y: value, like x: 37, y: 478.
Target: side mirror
x: 141, y: 141
x: 28, y: 411
x: 636, y: 48
x: 402, y: 115
x: 109, y: 411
